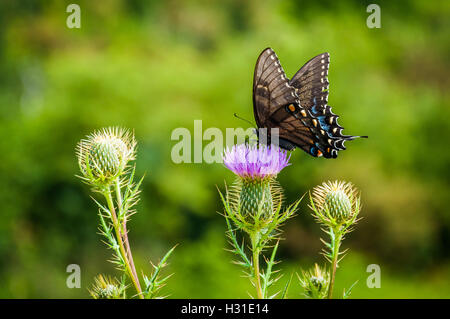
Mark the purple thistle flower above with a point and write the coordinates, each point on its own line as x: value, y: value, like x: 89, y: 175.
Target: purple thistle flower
x: 256, y: 162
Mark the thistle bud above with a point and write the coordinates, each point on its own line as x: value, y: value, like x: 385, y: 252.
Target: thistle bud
x: 335, y: 203
x: 339, y: 205
x: 107, y: 288
x: 315, y: 282
x: 256, y: 193
x: 103, y: 156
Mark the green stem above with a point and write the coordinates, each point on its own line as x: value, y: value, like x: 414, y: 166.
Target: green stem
x: 116, y: 225
x: 255, y: 250
x: 125, y: 234
x: 336, y: 243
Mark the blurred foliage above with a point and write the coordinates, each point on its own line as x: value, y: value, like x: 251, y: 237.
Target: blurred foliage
x: 154, y: 66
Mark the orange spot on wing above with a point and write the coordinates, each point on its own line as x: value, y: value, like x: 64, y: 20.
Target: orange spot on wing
x: 319, y: 153
x: 292, y: 108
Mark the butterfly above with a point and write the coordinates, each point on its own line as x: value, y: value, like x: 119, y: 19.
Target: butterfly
x: 297, y: 107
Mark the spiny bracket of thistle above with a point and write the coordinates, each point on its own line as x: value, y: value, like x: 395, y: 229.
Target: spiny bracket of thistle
x: 315, y: 282
x: 105, y: 287
x: 253, y: 204
x: 336, y: 204
x: 104, y: 156
x: 264, y: 219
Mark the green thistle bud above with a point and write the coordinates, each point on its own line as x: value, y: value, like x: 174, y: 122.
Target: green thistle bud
x: 256, y: 194
x: 104, y: 158
x: 315, y: 282
x: 335, y: 203
x: 107, y: 288
x: 339, y: 205
x: 104, y: 155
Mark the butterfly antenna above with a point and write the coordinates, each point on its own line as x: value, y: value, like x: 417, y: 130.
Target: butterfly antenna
x: 245, y: 120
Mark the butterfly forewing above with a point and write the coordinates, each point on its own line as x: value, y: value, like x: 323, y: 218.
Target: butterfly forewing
x: 271, y: 88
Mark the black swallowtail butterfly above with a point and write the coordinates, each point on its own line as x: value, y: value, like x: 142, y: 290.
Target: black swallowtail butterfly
x: 297, y: 107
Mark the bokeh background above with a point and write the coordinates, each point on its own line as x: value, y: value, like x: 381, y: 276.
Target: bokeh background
x: 154, y: 66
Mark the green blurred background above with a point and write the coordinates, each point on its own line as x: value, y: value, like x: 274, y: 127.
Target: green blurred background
x: 154, y: 66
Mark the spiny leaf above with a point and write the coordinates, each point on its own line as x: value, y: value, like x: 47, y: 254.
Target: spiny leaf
x: 347, y: 293
x: 286, y: 288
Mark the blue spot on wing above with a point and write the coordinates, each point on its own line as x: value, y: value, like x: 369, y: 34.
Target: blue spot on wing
x: 322, y: 118
x: 314, y: 108
x: 323, y: 124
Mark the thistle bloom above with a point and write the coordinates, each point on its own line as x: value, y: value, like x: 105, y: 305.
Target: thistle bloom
x: 253, y: 204
x: 104, y: 155
x: 255, y: 162
x: 256, y: 167
x: 335, y: 203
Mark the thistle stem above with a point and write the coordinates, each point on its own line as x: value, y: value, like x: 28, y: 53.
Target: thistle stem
x: 116, y: 225
x: 336, y: 243
x: 255, y: 251
x: 125, y: 234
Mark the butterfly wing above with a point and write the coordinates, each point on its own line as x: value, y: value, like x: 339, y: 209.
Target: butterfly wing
x: 277, y: 105
x: 271, y: 88
x: 311, y: 84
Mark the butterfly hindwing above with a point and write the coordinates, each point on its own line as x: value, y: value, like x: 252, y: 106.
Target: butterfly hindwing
x: 311, y: 84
